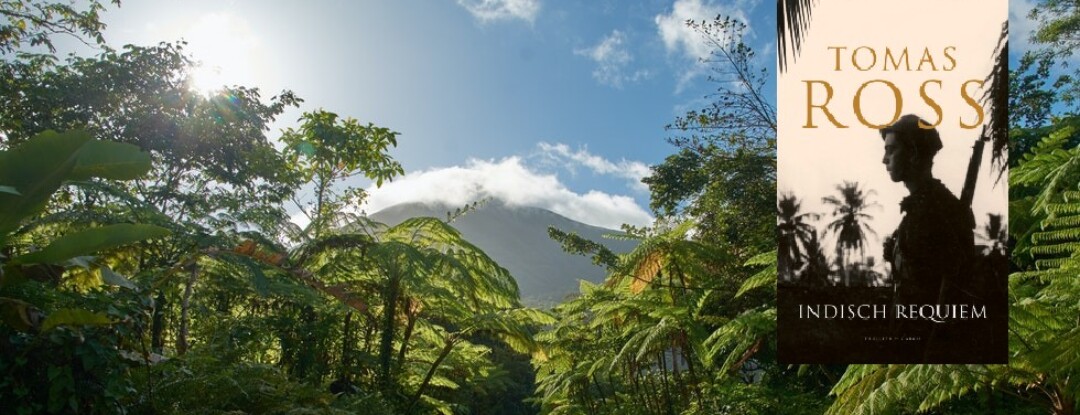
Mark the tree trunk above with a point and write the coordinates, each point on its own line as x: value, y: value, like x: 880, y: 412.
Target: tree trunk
x: 369, y: 331
x: 635, y: 388
x: 614, y: 389
x: 664, y: 381
x: 317, y: 220
x: 430, y: 374
x: 695, y: 382
x: 599, y: 390
x: 410, y: 323
x: 676, y: 374
x: 185, y: 303
x: 346, y: 344
x: 157, y: 328
x: 657, y: 389
x: 386, y: 342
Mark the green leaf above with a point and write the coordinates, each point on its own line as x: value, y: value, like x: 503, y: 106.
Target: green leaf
x: 110, y: 160
x: 33, y: 171
x: 74, y: 317
x: 36, y: 169
x: 92, y: 240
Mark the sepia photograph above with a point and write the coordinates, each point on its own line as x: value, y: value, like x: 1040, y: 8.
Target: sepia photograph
x: 891, y: 190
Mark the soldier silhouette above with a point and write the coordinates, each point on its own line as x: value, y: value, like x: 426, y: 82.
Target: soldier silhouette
x: 931, y: 251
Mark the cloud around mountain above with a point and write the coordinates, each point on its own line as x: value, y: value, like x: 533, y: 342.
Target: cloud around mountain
x: 517, y: 238
x: 562, y: 155
x: 513, y: 182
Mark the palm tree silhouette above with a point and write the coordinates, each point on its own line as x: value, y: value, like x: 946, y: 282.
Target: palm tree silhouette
x: 792, y: 22
x: 996, y: 235
x: 792, y: 231
x: 850, y: 225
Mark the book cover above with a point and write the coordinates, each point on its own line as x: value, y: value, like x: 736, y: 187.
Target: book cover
x: 891, y: 190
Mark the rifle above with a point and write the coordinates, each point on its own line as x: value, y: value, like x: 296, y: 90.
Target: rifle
x: 968, y: 193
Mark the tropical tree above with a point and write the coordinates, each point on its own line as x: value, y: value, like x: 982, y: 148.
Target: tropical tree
x: 512, y: 326
x: 674, y: 318
x: 420, y: 286
x: 214, y: 166
x: 1056, y: 27
x: 34, y: 23
x: 327, y: 150
x: 850, y: 227
x: 610, y: 346
x: 723, y: 174
x: 215, y: 174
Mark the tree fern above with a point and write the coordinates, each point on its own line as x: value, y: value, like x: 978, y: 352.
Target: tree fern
x: 739, y: 339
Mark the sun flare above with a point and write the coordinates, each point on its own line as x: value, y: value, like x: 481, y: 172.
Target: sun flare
x: 225, y: 50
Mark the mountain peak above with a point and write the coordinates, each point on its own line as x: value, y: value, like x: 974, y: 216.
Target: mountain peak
x: 517, y: 238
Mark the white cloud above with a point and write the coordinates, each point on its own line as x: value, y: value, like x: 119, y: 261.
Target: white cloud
x: 1020, y: 26
x: 688, y: 44
x: 677, y: 36
x: 633, y: 171
x: 494, y: 10
x: 612, y: 59
x: 513, y: 182
x: 300, y: 219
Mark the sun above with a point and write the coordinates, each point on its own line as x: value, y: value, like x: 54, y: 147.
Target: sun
x: 225, y: 50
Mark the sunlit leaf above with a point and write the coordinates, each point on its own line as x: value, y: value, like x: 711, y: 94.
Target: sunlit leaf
x: 110, y: 160
x: 74, y: 317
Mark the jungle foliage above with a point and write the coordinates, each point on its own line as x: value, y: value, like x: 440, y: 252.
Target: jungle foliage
x: 148, y: 263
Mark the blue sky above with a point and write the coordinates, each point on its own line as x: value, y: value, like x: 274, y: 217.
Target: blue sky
x: 555, y: 104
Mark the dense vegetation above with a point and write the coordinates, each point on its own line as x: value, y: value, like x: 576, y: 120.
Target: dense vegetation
x: 147, y: 264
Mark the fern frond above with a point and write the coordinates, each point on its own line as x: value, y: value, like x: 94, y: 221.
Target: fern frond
x: 1062, y: 235
x: 735, y: 338
x: 762, y: 278
x: 1072, y: 221
x: 1050, y: 263
x: 1063, y: 208
x: 1057, y: 249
